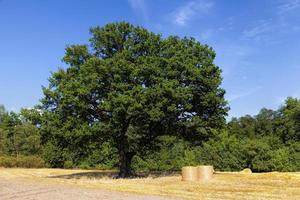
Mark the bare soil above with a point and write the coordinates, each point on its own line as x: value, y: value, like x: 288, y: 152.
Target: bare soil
x: 22, y: 189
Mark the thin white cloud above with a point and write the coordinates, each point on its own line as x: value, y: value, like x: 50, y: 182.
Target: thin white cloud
x: 139, y: 7
x: 231, y: 56
x: 236, y: 96
x: 288, y: 5
x: 262, y: 27
x: 191, y: 9
x: 268, y: 30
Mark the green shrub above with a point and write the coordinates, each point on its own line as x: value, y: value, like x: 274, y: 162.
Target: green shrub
x: 6, y: 161
x: 68, y: 164
x: 223, y: 152
x: 22, y: 162
x: 84, y: 166
x: 280, y: 160
x: 294, y: 156
x: 172, y: 154
x: 105, y: 157
x: 53, y: 155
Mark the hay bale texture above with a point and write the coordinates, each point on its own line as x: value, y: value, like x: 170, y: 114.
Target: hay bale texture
x: 189, y: 173
x: 205, y: 173
x: 246, y: 171
x: 201, y: 173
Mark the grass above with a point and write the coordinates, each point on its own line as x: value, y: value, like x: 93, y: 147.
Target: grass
x: 225, y: 185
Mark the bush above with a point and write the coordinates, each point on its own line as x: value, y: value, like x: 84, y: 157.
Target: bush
x: 53, y: 155
x: 256, y: 154
x: 22, y: 162
x: 68, y: 164
x: 280, y: 160
x: 223, y: 152
x: 104, y: 157
x: 230, y: 153
x: 294, y: 156
x: 172, y: 155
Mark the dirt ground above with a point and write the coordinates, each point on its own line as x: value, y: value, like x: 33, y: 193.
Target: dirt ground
x: 22, y: 189
x: 59, y: 184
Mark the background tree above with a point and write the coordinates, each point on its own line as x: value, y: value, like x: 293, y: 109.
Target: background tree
x: 2, y: 136
x: 18, y: 136
x: 129, y: 88
x: 288, y: 121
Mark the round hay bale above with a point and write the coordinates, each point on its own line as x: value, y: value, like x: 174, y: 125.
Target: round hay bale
x: 246, y: 171
x: 205, y: 172
x: 189, y: 173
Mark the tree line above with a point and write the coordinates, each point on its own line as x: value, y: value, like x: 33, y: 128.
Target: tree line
x: 268, y: 141
x: 134, y: 100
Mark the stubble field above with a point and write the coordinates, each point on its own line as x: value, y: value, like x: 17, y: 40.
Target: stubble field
x: 224, y: 185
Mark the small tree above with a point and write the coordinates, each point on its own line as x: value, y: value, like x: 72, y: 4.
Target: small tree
x: 132, y: 86
x: 17, y: 135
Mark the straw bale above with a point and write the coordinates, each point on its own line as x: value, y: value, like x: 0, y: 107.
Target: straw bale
x: 205, y: 173
x: 189, y: 173
x: 246, y: 171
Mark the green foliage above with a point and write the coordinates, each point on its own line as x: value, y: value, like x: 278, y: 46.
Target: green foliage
x: 171, y: 154
x: 268, y: 141
x: 223, y: 152
x: 229, y: 153
x: 18, y: 137
x: 294, y: 156
x: 68, y: 164
x: 22, y: 161
x: 2, y: 109
x: 130, y: 88
x: 53, y: 155
x: 103, y: 157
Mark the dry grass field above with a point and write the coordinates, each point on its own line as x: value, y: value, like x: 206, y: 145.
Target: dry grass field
x: 224, y: 185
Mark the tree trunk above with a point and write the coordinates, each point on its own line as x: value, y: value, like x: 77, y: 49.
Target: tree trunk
x: 125, y: 154
x: 125, y: 164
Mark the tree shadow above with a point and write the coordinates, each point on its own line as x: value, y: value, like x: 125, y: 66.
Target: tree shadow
x: 88, y: 175
x: 158, y: 174
x: 112, y: 175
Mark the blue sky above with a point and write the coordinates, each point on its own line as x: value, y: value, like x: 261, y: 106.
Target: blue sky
x: 257, y: 42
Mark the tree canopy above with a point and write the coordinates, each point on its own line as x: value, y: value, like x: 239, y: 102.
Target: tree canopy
x: 130, y: 86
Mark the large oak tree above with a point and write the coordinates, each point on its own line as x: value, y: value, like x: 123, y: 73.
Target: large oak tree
x: 134, y: 85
